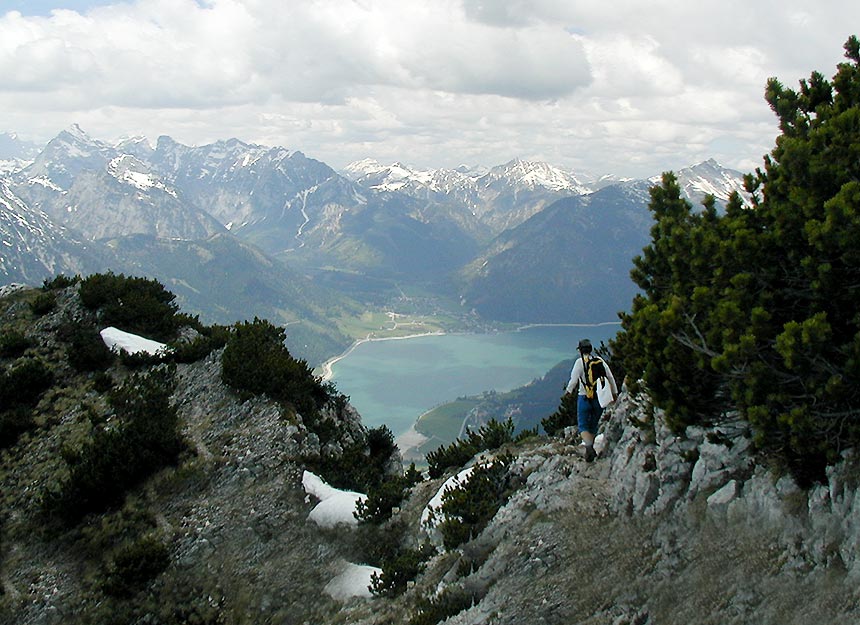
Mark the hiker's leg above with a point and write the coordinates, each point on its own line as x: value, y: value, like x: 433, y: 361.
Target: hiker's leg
x: 585, y: 420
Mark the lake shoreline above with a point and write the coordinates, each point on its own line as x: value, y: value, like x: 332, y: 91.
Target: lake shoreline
x: 404, y: 426
x: 326, y: 368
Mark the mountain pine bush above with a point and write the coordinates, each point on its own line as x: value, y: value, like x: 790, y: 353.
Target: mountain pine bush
x: 137, y: 305
x: 755, y: 310
x: 141, y: 436
x: 256, y: 361
x: 489, y: 436
x: 21, y: 387
x: 469, y: 507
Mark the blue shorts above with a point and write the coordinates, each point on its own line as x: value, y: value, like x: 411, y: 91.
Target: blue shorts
x: 588, y: 413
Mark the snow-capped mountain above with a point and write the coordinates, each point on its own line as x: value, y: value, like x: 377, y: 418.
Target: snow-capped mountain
x: 517, y: 173
x: 365, y: 230
x: 243, y: 184
x: 15, y: 153
x: 101, y: 191
x: 490, y: 200
x: 34, y: 247
x: 534, y: 175
x: 708, y: 178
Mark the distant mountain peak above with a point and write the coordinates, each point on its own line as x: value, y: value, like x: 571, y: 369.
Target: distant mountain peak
x: 138, y: 140
x: 78, y: 133
x: 708, y: 178
x: 538, y: 174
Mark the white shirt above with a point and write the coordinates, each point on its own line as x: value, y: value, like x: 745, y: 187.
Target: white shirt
x: 577, y: 377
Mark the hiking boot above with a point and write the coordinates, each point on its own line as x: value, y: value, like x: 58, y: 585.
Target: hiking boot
x: 590, y: 454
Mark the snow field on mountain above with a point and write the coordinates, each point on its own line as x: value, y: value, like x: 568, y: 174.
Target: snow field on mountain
x: 117, y: 339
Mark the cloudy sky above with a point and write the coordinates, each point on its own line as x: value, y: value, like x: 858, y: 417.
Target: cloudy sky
x: 627, y: 87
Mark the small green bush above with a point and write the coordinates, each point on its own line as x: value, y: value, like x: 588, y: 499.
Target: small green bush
x: 102, y: 382
x: 14, y: 422
x: 387, y: 495
x: 13, y: 344
x: 142, y: 437
x: 59, y: 282
x: 24, y: 382
x: 43, y: 303
x: 21, y: 387
x: 490, y: 436
x: 141, y: 359
x: 564, y: 417
x: 434, y: 609
x: 136, y: 305
x: 134, y: 564
x: 256, y: 361
x: 86, y: 350
x: 468, y: 508
x: 398, y: 570
x: 360, y: 466
x: 203, y: 345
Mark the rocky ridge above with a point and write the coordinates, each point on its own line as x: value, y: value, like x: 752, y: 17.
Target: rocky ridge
x: 660, y: 529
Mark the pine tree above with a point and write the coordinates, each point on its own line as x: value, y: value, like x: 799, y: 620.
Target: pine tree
x: 754, y: 310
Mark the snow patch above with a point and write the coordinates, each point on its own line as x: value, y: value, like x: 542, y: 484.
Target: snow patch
x: 336, y: 507
x: 353, y: 581
x: 430, y: 517
x: 45, y: 182
x: 117, y: 339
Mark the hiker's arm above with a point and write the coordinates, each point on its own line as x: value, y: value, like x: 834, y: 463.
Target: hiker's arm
x: 575, y: 375
x: 612, y: 384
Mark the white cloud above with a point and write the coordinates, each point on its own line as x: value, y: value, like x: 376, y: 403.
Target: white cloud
x: 583, y: 83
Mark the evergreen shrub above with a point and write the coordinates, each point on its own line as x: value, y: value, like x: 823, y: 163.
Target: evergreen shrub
x: 386, y: 495
x: 137, y: 305
x: 436, y: 608
x: 141, y: 437
x: 134, y: 564
x: 564, y: 417
x: 21, y: 387
x: 469, y: 507
x: 24, y: 382
x: 753, y: 310
x: 59, y: 281
x: 399, y: 569
x: 492, y: 435
x: 13, y: 344
x: 86, y: 350
x: 43, y: 303
x: 256, y: 361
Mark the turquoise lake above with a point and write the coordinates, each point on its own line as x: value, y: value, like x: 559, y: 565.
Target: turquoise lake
x: 393, y: 382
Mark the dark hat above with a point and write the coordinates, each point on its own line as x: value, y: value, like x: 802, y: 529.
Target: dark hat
x: 584, y: 346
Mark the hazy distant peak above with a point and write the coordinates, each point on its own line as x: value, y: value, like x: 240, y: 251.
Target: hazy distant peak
x: 538, y: 174
x: 364, y: 166
x: 707, y: 178
x: 132, y: 143
x: 78, y: 133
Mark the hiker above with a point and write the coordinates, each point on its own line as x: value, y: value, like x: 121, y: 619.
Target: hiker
x: 584, y: 378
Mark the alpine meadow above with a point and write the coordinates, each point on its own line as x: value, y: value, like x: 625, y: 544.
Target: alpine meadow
x: 170, y: 453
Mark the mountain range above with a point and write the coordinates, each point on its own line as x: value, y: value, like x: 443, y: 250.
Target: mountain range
x: 238, y: 229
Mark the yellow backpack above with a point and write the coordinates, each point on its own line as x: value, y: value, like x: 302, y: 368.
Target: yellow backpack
x: 593, y: 370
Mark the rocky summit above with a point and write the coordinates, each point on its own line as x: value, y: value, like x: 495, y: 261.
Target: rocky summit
x: 661, y: 529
